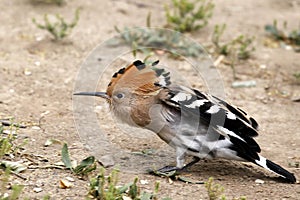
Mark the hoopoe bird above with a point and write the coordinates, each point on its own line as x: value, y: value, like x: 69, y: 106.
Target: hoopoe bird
x: 192, y: 122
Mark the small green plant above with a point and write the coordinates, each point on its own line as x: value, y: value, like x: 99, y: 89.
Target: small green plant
x: 295, y: 164
x: 106, y: 188
x: 153, y: 40
x: 59, y: 29
x: 297, y: 76
x: 7, y: 140
x: 187, y: 16
x: 215, y: 191
x: 158, y: 39
x: 281, y: 34
x: 15, y: 189
x: 86, y: 165
x: 57, y: 2
x: 239, y: 48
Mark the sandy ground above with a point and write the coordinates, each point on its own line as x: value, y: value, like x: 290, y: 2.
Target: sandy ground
x: 45, y: 96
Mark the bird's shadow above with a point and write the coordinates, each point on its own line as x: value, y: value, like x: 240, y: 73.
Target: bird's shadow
x: 231, y: 170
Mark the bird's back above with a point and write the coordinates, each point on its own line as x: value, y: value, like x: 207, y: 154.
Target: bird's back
x: 204, y: 126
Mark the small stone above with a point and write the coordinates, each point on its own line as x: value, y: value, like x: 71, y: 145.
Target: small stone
x: 37, y: 189
x: 107, y: 161
x: 45, y: 113
x: 5, y: 195
x: 9, y: 132
x: 37, y: 63
x: 64, y: 184
x: 70, y: 179
x: 35, y: 128
x: 263, y: 66
x: 27, y: 72
x: 240, y: 84
x: 144, y: 182
x: 38, y: 38
x: 60, y: 163
x: 259, y: 181
x: 126, y: 198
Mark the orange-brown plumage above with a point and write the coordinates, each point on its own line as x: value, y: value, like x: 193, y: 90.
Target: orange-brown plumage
x: 136, y: 79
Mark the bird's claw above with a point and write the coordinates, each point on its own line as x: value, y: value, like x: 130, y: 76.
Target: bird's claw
x: 168, y: 169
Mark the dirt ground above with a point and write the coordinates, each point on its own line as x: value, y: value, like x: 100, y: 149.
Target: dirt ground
x: 38, y: 76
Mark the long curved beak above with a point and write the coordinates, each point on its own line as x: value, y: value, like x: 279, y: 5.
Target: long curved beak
x: 96, y: 94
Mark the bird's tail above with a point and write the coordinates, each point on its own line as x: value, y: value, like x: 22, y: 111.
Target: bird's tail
x: 273, y: 167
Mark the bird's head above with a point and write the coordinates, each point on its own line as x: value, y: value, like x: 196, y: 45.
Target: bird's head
x: 131, y: 87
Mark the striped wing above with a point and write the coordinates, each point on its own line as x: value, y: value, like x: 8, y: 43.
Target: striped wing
x: 229, y: 121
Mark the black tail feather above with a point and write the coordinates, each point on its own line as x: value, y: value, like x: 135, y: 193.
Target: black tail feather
x: 279, y: 170
x: 273, y: 167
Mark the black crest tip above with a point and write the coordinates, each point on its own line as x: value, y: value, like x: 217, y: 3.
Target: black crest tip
x: 139, y: 64
x: 121, y: 71
x: 115, y: 75
x: 155, y: 63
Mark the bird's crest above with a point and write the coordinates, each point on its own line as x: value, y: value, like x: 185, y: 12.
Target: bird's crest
x: 139, y: 77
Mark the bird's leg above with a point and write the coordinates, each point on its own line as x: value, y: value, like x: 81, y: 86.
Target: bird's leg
x: 180, y: 158
x: 180, y: 154
x: 194, y: 161
x: 178, y: 169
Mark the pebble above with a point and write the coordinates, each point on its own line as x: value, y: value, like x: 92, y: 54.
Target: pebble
x: 263, y: 66
x: 239, y: 84
x: 7, y: 132
x: 39, y: 38
x: 37, y: 63
x: 70, y: 179
x: 35, y: 128
x: 27, y: 72
x: 64, y: 184
x: 37, y: 189
x: 126, y: 198
x: 107, y: 161
x: 144, y: 182
x: 259, y: 181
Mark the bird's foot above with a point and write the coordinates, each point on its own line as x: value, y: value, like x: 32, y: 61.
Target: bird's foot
x: 173, y: 173
x: 168, y: 169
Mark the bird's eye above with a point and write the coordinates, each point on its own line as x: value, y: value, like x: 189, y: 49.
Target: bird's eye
x: 120, y: 95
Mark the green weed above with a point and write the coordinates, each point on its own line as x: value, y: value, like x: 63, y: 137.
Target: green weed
x: 297, y: 76
x: 15, y: 189
x: 106, y: 188
x: 215, y: 191
x: 282, y: 34
x: 57, y: 2
x: 155, y: 40
x: 9, y: 146
x: 59, y: 29
x: 239, y: 48
x: 86, y: 165
x: 151, y: 40
x: 187, y: 16
x: 7, y: 140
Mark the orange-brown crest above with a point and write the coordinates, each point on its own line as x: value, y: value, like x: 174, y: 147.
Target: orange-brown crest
x: 136, y: 77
